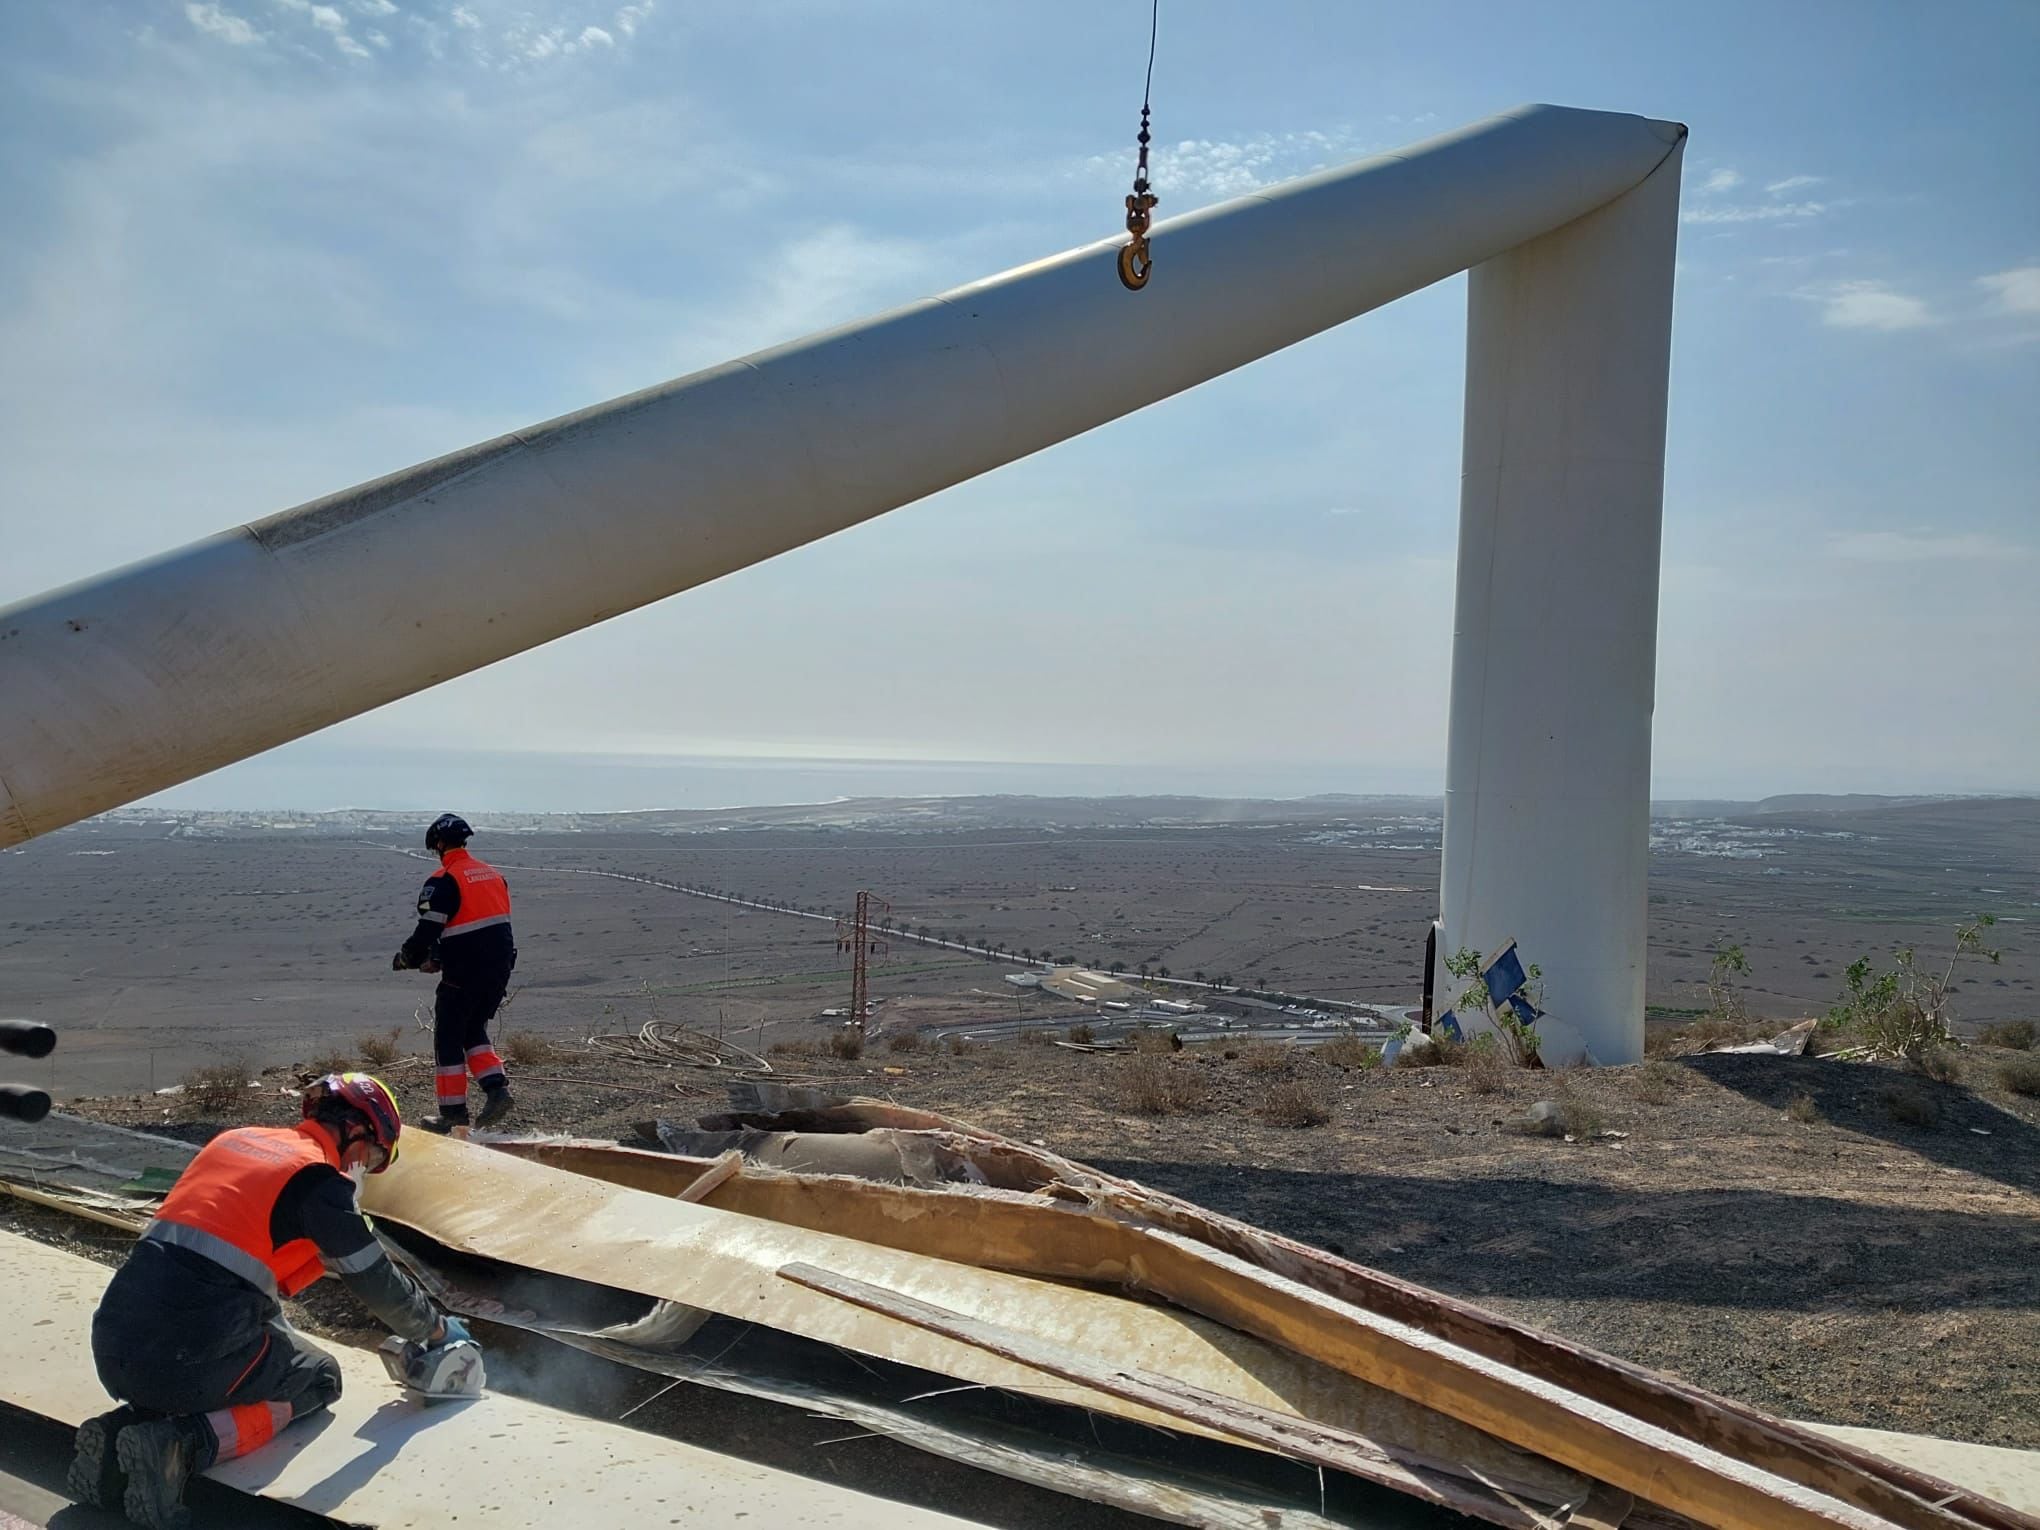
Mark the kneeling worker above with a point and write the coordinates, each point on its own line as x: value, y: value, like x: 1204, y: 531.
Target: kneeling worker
x: 463, y: 934
x: 190, y: 1336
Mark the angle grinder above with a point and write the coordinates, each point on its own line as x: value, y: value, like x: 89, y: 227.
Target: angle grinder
x: 443, y: 1372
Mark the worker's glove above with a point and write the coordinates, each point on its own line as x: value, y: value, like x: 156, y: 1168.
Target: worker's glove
x: 430, y: 964
x: 398, y: 964
x: 453, y: 1331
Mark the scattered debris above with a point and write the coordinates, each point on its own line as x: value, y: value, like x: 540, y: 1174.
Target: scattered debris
x: 681, y: 1046
x: 1790, y: 1042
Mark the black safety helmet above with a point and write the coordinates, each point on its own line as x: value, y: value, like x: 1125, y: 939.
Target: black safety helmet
x: 449, y: 831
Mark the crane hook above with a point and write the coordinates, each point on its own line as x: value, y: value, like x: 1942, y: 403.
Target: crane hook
x: 1134, y: 260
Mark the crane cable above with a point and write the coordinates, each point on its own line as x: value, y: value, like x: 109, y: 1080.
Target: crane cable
x: 1134, y: 261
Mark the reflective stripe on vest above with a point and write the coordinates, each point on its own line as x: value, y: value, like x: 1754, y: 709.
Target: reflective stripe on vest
x: 484, y: 895
x: 218, y: 1250
x: 220, y: 1207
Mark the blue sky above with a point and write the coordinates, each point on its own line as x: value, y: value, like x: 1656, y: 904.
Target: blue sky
x: 261, y: 249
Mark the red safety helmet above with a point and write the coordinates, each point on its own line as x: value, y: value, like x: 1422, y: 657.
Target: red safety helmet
x: 368, y: 1098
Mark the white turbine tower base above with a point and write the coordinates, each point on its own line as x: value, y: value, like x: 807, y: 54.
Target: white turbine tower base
x: 1554, y: 644
x: 123, y: 685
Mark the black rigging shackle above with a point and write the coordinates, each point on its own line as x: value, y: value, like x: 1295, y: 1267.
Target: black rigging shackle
x: 1134, y: 260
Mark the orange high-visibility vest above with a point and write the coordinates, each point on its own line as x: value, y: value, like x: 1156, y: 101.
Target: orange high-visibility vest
x: 220, y: 1207
x: 484, y: 895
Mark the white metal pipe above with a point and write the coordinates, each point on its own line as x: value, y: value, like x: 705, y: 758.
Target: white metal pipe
x: 1554, y: 654
x: 129, y: 683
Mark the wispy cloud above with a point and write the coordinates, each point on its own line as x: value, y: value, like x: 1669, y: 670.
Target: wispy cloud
x: 1214, y: 168
x: 1780, y: 207
x: 223, y: 24
x: 474, y: 32
x: 1924, y: 547
x: 1755, y: 212
x: 1868, y: 305
x: 328, y: 20
x: 2016, y: 291
x: 1807, y: 258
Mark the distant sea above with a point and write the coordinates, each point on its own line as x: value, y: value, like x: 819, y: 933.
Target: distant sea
x: 307, y: 778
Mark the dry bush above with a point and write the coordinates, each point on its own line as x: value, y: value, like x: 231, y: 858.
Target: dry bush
x: 380, y: 1048
x: 1350, y: 1052
x: 1082, y: 1035
x: 2021, y: 1075
x: 1152, y: 1039
x: 1152, y: 1085
x: 527, y: 1049
x: 1033, y: 1038
x: 1265, y: 1056
x: 957, y: 1045
x: 1486, y: 1069
x: 220, y: 1086
x: 1657, y: 1081
x: 1803, y: 1110
x: 326, y: 1062
x: 848, y: 1043
x: 1578, y: 1116
x: 1910, y: 1107
x: 796, y: 1049
x: 903, y: 1041
x: 1939, y: 1064
x: 2019, y: 1035
x: 1433, y: 1051
x: 1296, y: 1102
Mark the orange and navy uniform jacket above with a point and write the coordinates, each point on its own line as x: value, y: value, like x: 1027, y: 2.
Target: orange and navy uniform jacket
x: 464, y: 920
x: 259, y: 1214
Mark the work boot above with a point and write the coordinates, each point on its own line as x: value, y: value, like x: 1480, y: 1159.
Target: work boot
x: 159, y: 1459
x: 496, y: 1104
x: 95, y: 1476
x: 445, y: 1124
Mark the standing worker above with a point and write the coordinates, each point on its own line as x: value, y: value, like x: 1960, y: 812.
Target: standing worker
x: 464, y: 935
x: 190, y: 1336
